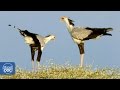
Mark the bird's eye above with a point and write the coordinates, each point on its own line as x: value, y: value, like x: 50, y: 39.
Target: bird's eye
x: 62, y: 18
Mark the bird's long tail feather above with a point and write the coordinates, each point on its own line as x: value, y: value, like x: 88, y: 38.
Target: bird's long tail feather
x: 109, y: 29
x: 108, y: 34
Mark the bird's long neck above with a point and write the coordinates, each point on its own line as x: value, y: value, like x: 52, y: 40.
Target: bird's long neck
x: 47, y: 39
x: 69, y: 26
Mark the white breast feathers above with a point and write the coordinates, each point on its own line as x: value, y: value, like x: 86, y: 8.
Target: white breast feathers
x: 29, y: 40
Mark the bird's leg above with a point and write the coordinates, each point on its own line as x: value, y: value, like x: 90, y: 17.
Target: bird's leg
x: 33, y: 66
x: 81, y: 49
x: 32, y: 56
x: 39, y: 57
x: 82, y: 59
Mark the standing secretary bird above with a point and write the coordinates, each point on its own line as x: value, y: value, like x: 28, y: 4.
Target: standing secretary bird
x: 81, y: 34
x: 36, y: 42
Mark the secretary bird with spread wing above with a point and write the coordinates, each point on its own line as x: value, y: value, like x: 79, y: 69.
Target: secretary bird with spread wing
x: 81, y: 34
x: 36, y: 43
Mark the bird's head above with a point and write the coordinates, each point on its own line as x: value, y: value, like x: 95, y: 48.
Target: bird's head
x: 51, y: 37
x: 63, y: 18
x: 67, y: 19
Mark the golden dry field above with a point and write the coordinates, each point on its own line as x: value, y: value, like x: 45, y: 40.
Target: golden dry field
x: 65, y: 72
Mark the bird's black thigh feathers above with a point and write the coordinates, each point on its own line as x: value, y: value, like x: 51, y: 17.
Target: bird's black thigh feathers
x: 32, y: 53
x: 81, y: 48
x: 39, y: 54
x: 35, y: 47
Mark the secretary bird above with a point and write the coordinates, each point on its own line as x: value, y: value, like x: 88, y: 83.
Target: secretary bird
x: 82, y: 34
x: 36, y: 42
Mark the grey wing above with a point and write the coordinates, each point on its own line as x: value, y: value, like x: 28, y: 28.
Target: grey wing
x: 41, y: 40
x: 80, y: 33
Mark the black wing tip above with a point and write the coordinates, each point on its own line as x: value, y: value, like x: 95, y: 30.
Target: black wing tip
x: 109, y: 29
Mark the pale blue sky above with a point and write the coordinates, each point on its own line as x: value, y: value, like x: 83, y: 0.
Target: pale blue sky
x: 104, y: 52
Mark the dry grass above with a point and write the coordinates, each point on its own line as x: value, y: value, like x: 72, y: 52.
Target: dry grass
x: 65, y: 72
